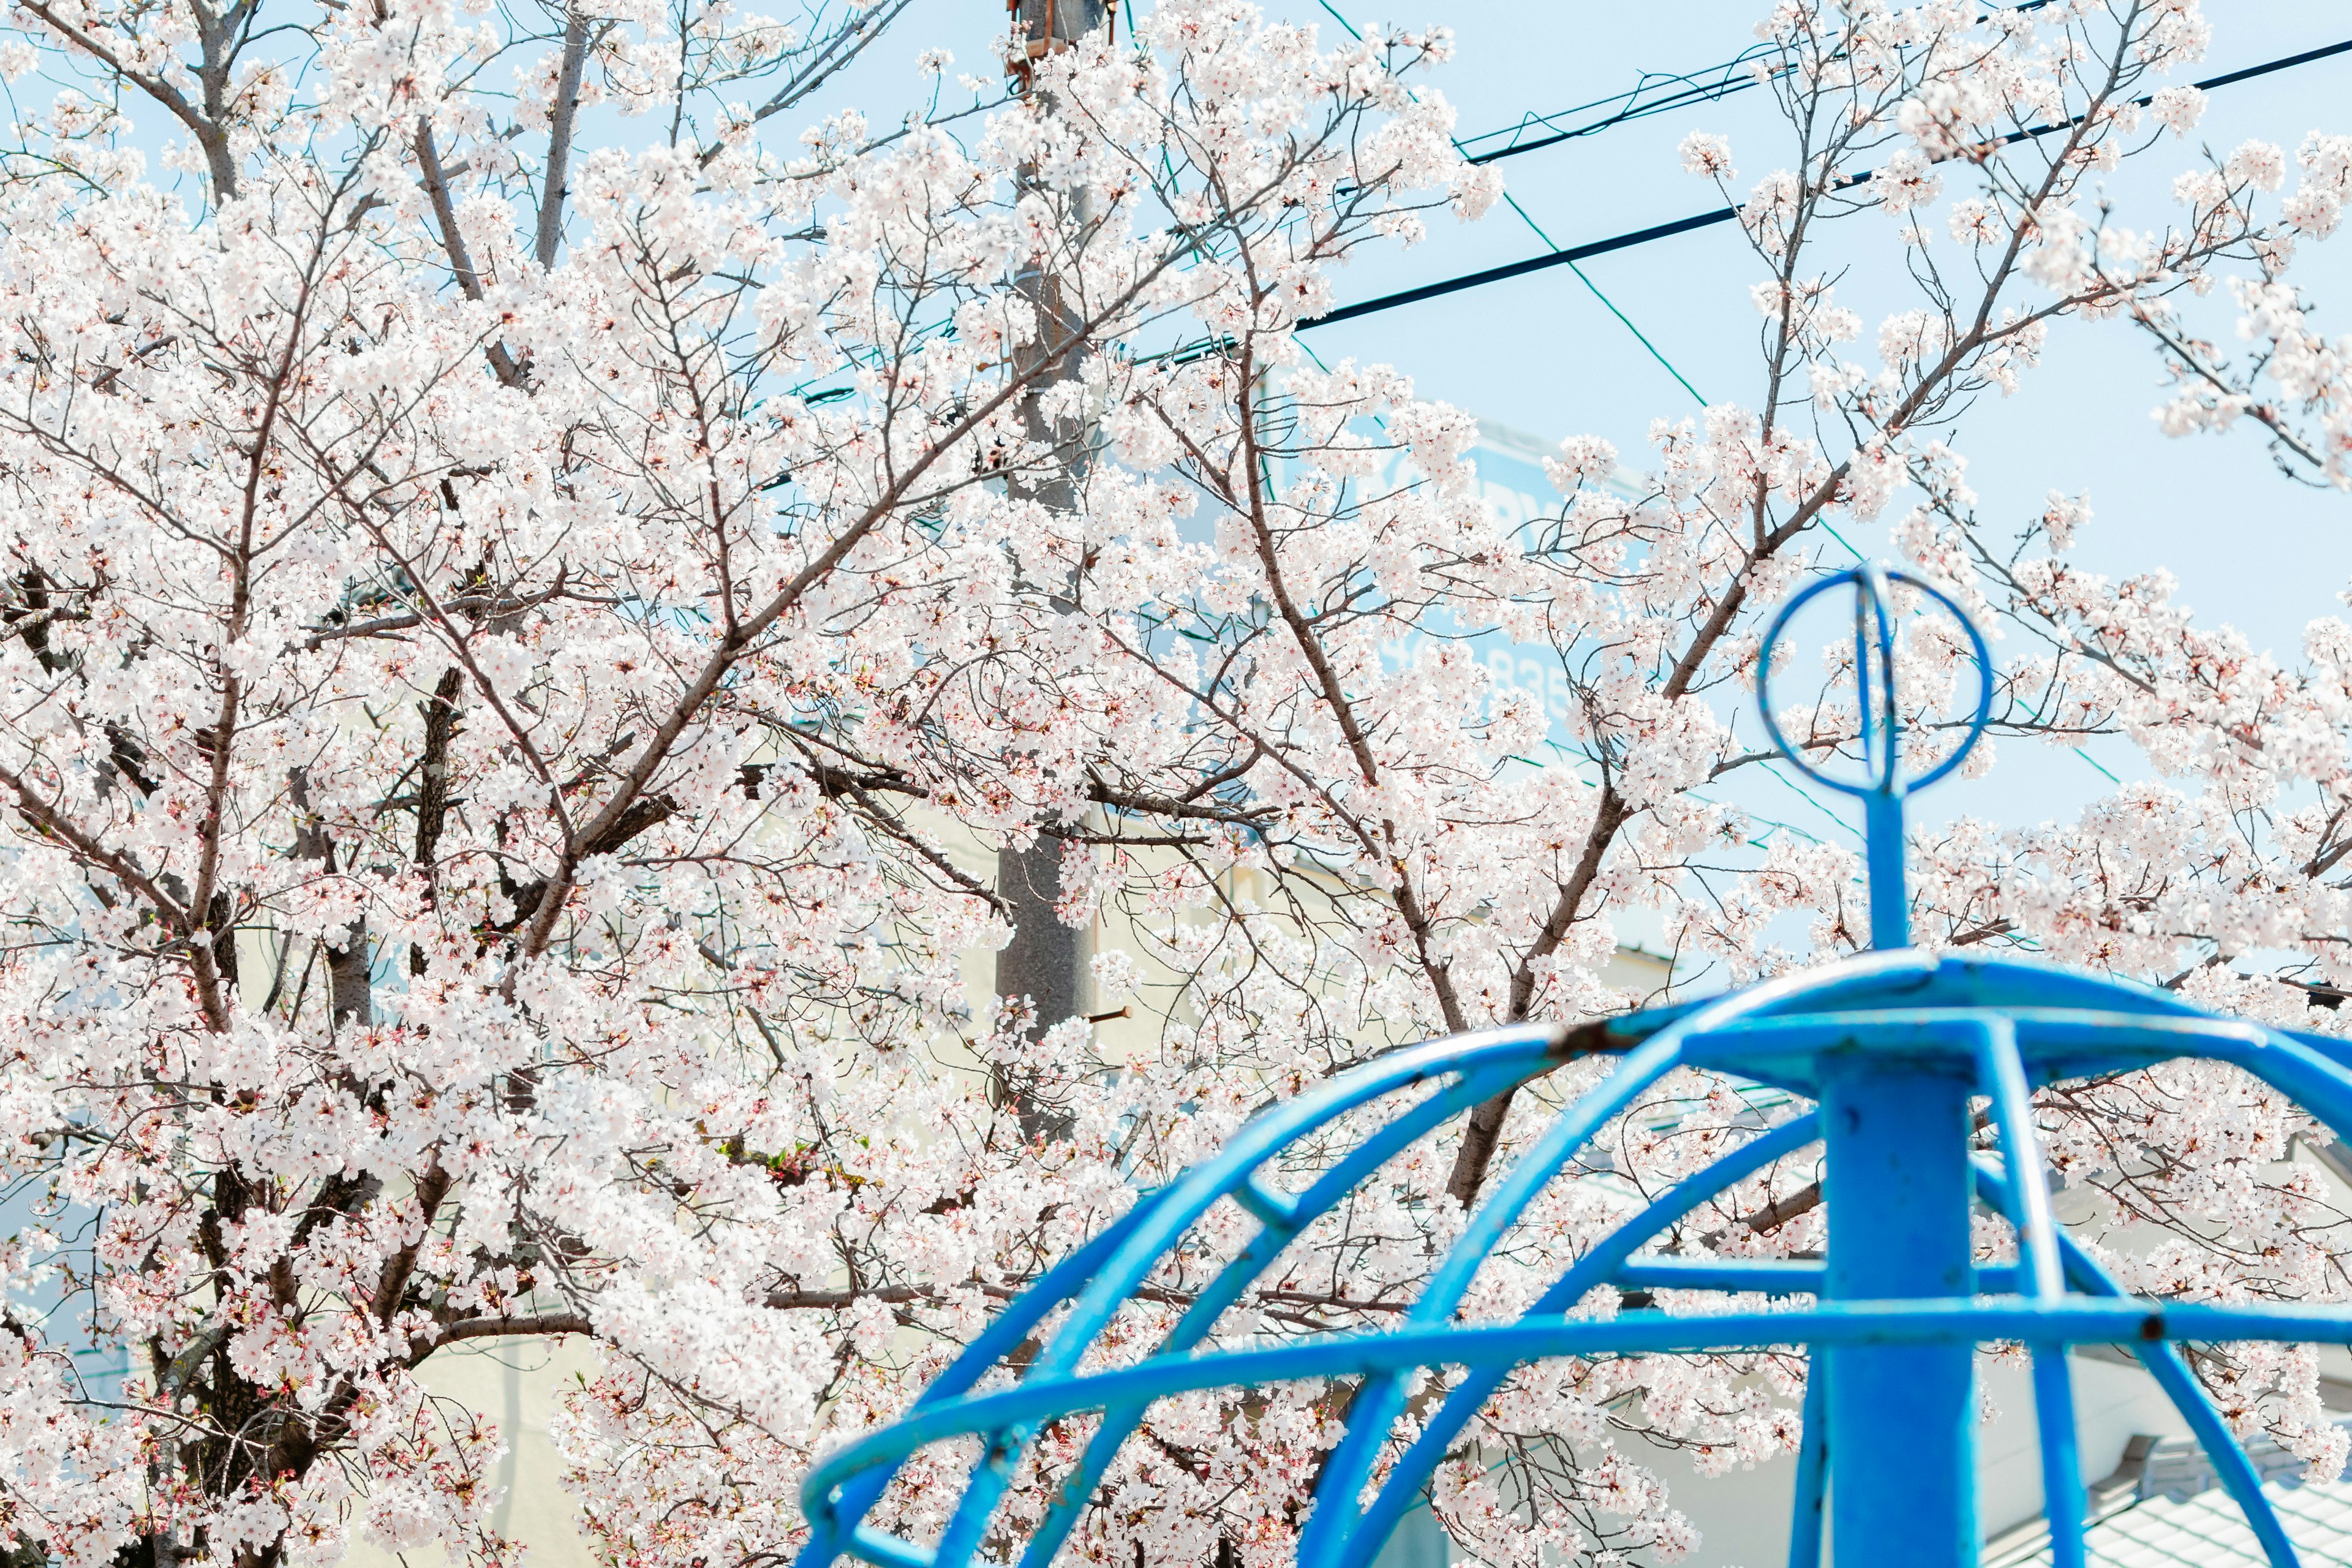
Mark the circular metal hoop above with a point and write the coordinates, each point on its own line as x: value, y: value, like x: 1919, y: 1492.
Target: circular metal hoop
x: 1871, y: 608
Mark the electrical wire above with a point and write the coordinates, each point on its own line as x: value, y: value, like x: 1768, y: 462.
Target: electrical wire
x: 1574, y: 254
x: 1729, y: 78
x: 1712, y: 85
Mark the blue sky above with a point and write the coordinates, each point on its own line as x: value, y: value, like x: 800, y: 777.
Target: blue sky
x: 1543, y: 354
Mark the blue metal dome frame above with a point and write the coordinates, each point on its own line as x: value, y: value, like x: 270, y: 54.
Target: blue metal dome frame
x: 1892, y: 1047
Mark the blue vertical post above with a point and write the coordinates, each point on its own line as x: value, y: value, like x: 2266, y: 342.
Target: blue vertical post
x: 1890, y: 899
x: 1901, y: 1427
x: 1805, y: 1517
x: 1902, y: 1418
x: 1883, y: 830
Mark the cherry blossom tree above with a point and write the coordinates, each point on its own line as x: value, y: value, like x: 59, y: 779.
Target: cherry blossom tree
x: 517, y: 644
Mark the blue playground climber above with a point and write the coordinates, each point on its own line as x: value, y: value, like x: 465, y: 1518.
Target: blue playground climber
x: 1892, y: 1047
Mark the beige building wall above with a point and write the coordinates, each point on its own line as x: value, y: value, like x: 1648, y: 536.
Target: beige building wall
x: 516, y: 1384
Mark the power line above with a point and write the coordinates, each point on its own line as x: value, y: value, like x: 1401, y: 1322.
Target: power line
x: 1729, y: 78
x: 1568, y: 257
x: 1711, y: 85
x: 1575, y: 254
x: 1694, y: 94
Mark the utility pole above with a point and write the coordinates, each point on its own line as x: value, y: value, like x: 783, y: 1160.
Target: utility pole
x: 1042, y: 26
x: 1046, y: 961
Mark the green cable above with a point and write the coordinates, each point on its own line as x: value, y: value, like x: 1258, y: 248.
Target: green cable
x: 1643, y: 339
x: 1629, y: 327
x: 1773, y: 823
x: 1639, y: 336
x: 1342, y: 21
x: 1802, y: 794
x: 2096, y: 762
x: 1548, y: 244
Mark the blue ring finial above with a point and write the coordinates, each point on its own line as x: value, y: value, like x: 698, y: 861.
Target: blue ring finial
x: 1883, y: 791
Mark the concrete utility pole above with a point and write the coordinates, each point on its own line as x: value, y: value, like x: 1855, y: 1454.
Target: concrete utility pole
x: 1044, y: 26
x: 1046, y: 961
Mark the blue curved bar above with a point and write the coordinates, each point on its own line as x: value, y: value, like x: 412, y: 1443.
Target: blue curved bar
x: 887, y: 1551
x: 1879, y: 736
x: 2001, y: 1071
x: 1961, y: 1319
x: 1379, y: 1399
x: 1421, y: 1459
x: 1883, y: 791
x: 1000, y: 1337
x: 1283, y: 1221
x: 1769, y: 1276
x: 2239, y: 1476
x: 1941, y: 1006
